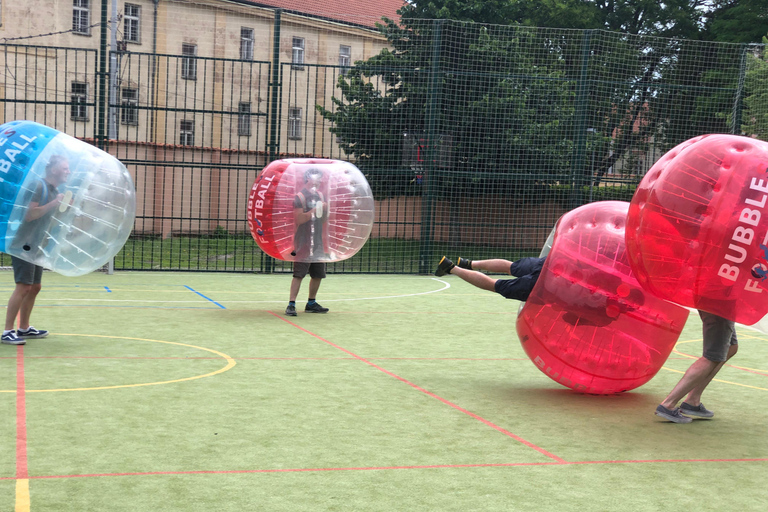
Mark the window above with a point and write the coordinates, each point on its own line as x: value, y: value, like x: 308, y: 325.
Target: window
x: 188, y: 62
x: 244, y: 119
x: 129, y: 112
x: 79, y: 110
x: 294, y: 123
x: 131, y: 23
x: 345, y: 58
x: 297, y: 59
x: 246, y: 43
x: 187, y: 133
x: 81, y: 17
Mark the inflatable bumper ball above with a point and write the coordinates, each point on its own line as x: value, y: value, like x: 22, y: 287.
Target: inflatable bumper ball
x: 588, y: 324
x: 310, y: 210
x: 64, y: 204
x: 697, y: 228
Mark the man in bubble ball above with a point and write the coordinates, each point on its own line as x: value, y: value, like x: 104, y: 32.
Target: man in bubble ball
x: 310, y: 213
x: 526, y: 270
x: 720, y: 344
x: 30, y: 237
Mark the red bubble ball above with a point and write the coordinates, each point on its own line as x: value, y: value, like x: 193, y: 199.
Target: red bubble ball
x: 311, y: 210
x: 588, y: 324
x: 697, y: 227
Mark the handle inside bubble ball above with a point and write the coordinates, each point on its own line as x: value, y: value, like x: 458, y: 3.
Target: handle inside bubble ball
x: 319, y: 210
x: 65, y: 200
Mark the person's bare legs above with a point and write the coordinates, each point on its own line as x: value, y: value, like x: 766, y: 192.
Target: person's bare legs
x: 496, y: 265
x: 314, y: 286
x: 25, y: 312
x: 694, y: 397
x: 295, y: 286
x: 16, y: 304
x: 476, y: 278
x: 697, y: 376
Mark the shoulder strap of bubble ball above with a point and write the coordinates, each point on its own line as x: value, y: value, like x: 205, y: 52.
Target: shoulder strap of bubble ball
x: 302, y: 199
x: 43, y: 192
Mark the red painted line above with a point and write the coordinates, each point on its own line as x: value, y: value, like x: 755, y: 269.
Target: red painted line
x: 389, y: 468
x: 284, y: 358
x: 21, y: 417
x: 447, y: 402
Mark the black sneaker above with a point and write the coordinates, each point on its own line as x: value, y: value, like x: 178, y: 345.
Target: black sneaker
x: 444, y: 267
x: 290, y: 310
x: 315, y: 308
x: 31, y: 333
x: 464, y: 263
x: 12, y: 339
x: 672, y: 415
x: 699, y: 410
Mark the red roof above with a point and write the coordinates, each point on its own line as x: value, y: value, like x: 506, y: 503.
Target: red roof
x: 359, y: 12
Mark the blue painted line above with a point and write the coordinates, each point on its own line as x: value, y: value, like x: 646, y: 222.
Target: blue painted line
x: 203, y: 296
x: 108, y: 290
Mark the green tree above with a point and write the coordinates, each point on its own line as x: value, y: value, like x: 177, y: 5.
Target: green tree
x: 756, y: 99
x: 530, y: 103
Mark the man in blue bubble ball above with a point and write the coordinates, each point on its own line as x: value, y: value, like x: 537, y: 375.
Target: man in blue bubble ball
x: 31, y: 237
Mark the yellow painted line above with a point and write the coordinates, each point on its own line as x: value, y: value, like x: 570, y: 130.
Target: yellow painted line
x: 230, y: 364
x: 22, y: 495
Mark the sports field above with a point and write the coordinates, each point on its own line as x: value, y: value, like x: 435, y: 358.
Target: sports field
x: 193, y: 392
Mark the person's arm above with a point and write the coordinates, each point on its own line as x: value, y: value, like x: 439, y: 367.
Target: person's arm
x: 300, y: 216
x: 35, y: 210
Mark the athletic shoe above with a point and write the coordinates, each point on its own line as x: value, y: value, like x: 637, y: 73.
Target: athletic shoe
x: 464, y: 263
x: 12, y: 339
x: 31, y: 333
x: 699, y: 410
x: 290, y: 310
x: 444, y: 267
x: 672, y: 415
x: 315, y: 308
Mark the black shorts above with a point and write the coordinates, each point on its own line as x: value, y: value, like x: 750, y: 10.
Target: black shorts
x: 527, y: 271
x: 315, y: 270
x: 719, y: 335
x: 25, y: 272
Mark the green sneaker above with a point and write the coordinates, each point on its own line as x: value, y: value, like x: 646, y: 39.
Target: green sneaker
x: 444, y: 267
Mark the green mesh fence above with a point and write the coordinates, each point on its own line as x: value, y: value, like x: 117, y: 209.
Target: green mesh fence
x: 474, y: 138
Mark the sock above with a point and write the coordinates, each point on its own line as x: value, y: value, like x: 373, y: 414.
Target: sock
x: 7, y: 331
x: 310, y: 302
x: 465, y: 263
x: 292, y: 303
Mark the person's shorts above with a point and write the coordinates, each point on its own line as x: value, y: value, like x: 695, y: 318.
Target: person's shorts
x: 25, y: 272
x: 315, y: 270
x: 518, y: 289
x: 527, y: 271
x: 526, y: 266
x: 719, y: 335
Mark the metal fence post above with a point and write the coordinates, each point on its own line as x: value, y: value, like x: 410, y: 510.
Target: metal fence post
x: 103, y: 74
x: 580, y: 126
x: 738, y: 100
x: 432, y: 113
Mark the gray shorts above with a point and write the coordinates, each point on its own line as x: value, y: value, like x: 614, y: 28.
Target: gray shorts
x: 315, y: 270
x: 719, y: 335
x: 25, y: 272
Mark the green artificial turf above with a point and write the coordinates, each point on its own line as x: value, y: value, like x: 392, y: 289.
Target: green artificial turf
x: 193, y: 392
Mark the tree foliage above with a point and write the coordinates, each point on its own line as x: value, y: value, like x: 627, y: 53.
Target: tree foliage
x: 516, y: 102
